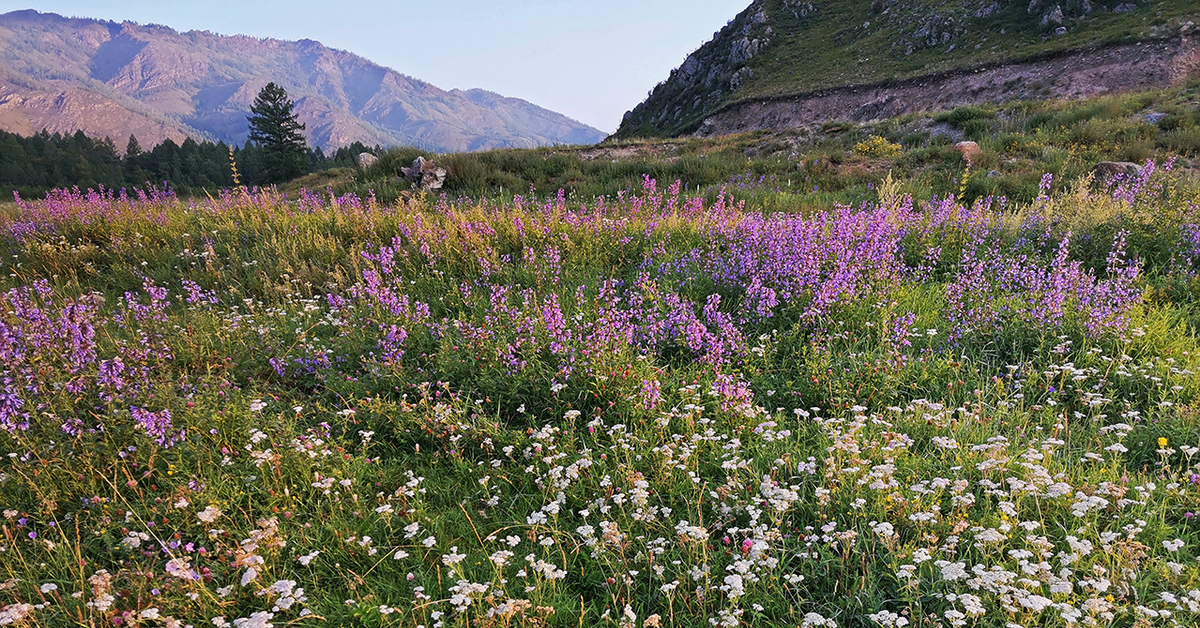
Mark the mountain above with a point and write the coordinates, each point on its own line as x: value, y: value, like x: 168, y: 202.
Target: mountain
x: 798, y: 63
x: 114, y: 80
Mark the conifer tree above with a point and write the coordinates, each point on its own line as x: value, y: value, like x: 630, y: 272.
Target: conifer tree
x: 133, y: 148
x: 275, y: 128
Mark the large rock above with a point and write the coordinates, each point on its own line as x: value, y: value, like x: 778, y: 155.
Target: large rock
x: 970, y: 151
x: 365, y: 160
x: 425, y: 175
x: 1108, y: 171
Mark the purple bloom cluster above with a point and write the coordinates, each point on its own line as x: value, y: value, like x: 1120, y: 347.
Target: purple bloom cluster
x: 49, y: 346
x: 995, y: 287
x: 158, y: 426
x: 90, y: 207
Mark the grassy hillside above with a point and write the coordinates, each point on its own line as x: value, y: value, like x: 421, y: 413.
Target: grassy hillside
x: 794, y: 172
x: 779, y: 47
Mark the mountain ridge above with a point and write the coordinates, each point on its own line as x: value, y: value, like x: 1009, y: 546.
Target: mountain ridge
x: 777, y: 51
x: 158, y: 83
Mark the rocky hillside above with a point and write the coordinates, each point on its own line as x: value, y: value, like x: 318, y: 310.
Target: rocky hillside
x: 114, y: 80
x: 766, y: 67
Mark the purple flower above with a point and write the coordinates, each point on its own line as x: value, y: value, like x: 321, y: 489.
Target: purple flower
x: 158, y: 426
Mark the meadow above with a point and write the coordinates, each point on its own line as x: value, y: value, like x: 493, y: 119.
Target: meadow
x: 653, y: 408
x: 811, y: 169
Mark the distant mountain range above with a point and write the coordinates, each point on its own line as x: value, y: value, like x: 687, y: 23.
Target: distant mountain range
x: 120, y: 79
x: 798, y: 63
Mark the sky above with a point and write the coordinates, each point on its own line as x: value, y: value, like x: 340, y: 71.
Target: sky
x: 591, y: 60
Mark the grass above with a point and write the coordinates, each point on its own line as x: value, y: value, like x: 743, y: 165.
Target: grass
x: 670, y: 409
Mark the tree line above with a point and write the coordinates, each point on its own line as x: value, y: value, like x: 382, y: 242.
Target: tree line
x: 276, y: 152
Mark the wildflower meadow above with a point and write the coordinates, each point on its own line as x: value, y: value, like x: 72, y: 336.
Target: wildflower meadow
x: 643, y: 410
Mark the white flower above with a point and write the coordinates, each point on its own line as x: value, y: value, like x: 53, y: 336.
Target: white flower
x: 308, y: 558
x: 48, y: 587
x: 945, y: 443
x: 734, y: 587
x: 452, y: 558
x: 400, y: 555
x: 952, y: 571
x: 888, y: 619
x: 209, y: 515
x: 1173, y: 546
x: 815, y: 620
x: 261, y: 619
x: 884, y: 529
x: 282, y: 587
x: 1062, y: 586
x: 1036, y: 603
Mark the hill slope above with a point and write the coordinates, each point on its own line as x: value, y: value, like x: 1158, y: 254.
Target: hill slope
x: 778, y: 51
x: 111, y: 79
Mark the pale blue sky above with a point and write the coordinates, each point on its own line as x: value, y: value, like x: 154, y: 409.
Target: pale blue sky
x: 592, y: 60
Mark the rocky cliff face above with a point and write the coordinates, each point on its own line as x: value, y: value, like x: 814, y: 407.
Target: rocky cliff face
x: 114, y: 80
x: 787, y: 49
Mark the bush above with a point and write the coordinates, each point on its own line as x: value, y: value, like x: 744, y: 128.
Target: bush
x: 1186, y: 141
x: 878, y: 147
x: 960, y: 116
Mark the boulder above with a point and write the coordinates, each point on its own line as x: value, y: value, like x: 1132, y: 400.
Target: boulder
x: 425, y: 175
x: 1108, y: 171
x: 970, y: 151
x: 365, y: 160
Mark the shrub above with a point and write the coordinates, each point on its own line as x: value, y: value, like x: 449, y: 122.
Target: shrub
x: 1186, y: 141
x: 878, y: 147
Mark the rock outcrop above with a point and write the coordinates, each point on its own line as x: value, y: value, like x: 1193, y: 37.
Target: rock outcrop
x: 424, y: 175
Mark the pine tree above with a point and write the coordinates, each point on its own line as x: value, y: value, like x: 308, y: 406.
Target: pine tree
x: 274, y: 128
x: 133, y: 148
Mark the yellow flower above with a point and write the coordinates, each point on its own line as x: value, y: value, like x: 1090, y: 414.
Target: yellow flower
x: 1162, y: 443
